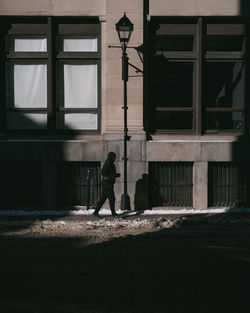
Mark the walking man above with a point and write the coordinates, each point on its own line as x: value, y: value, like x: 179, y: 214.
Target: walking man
x: 108, y: 180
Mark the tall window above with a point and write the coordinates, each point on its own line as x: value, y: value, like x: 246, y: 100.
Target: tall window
x: 197, y: 75
x: 51, y: 74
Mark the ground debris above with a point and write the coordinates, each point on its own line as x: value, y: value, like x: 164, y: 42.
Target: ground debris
x: 100, y: 230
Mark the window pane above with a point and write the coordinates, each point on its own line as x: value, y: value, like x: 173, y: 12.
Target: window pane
x: 225, y: 43
x: 224, y: 86
x: 78, y: 121
x: 174, y: 120
x: 80, y: 45
x: 20, y: 120
x: 27, y: 86
x: 80, y: 86
x: 172, y: 83
x: 174, y: 43
x: 225, y: 120
x: 30, y: 45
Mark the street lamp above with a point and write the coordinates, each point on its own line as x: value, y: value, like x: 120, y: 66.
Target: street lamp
x: 124, y: 29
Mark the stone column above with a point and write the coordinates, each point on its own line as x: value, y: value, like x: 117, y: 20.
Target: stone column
x: 200, y: 185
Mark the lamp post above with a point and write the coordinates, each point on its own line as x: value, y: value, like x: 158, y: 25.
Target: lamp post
x: 124, y: 28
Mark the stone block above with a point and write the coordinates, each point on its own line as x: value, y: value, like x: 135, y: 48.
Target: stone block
x: 114, y: 82
x: 114, y: 112
x: 39, y: 7
x: 177, y: 7
x: 200, y: 185
x: 79, y: 7
x: 71, y: 151
x: 222, y: 7
x: 194, y: 7
x: 54, y: 7
x: 217, y: 151
x: 135, y: 112
x: 92, y: 151
x: 135, y: 18
x: 173, y: 151
x: 115, y: 96
x: 116, y: 147
x: 128, y: 6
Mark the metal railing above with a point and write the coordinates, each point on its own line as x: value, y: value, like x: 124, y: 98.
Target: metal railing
x: 171, y: 183
x: 228, y: 184
x: 78, y: 183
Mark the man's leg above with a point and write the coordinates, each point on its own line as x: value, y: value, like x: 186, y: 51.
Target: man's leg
x: 100, y: 202
x: 111, y: 198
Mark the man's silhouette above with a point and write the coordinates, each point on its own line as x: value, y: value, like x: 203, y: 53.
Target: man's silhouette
x: 108, y: 180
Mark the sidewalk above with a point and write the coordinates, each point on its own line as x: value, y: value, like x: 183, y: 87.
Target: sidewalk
x: 86, y: 214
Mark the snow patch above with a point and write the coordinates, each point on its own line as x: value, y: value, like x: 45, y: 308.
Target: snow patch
x: 84, y: 211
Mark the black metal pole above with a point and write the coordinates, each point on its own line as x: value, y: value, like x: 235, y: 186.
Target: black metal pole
x: 125, y: 200
x: 88, y: 189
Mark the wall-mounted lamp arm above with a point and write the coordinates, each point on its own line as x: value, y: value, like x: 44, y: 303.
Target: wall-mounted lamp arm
x: 136, y: 68
x: 138, y: 52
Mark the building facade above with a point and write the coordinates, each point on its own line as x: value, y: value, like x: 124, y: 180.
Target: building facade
x: 61, y: 102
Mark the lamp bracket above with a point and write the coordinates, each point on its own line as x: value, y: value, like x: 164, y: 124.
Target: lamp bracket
x: 136, y: 68
x: 111, y: 46
x: 130, y: 47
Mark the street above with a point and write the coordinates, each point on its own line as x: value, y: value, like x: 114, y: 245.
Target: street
x: 200, y: 266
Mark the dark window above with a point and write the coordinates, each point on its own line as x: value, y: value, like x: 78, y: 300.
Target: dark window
x: 224, y: 87
x: 225, y: 37
x: 171, y: 183
x: 224, y: 43
x: 52, y: 74
x: 174, y: 43
x: 72, y: 184
x: 225, y: 95
x: 228, y: 184
x: 197, y: 75
x: 172, y: 76
x: 174, y: 120
x: 224, y: 120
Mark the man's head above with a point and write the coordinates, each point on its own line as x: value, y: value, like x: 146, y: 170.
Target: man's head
x: 112, y: 156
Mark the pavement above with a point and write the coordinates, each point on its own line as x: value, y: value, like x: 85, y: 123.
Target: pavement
x: 200, y: 267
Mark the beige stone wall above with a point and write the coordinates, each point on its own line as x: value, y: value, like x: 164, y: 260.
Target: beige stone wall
x: 114, y: 112
x: 194, y: 7
x: 53, y: 7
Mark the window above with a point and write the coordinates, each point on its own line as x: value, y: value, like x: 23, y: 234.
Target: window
x: 224, y: 76
x: 228, y: 184
x: 52, y: 75
x: 77, y: 72
x: 197, y: 75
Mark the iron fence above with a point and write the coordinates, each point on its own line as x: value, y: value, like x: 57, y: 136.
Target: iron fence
x: 171, y: 183
x: 228, y: 184
x: 73, y: 180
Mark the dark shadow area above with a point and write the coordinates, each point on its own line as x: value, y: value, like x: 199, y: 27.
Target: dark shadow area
x: 38, y: 172
x: 200, y: 267
x: 244, y: 7
x: 142, y: 193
